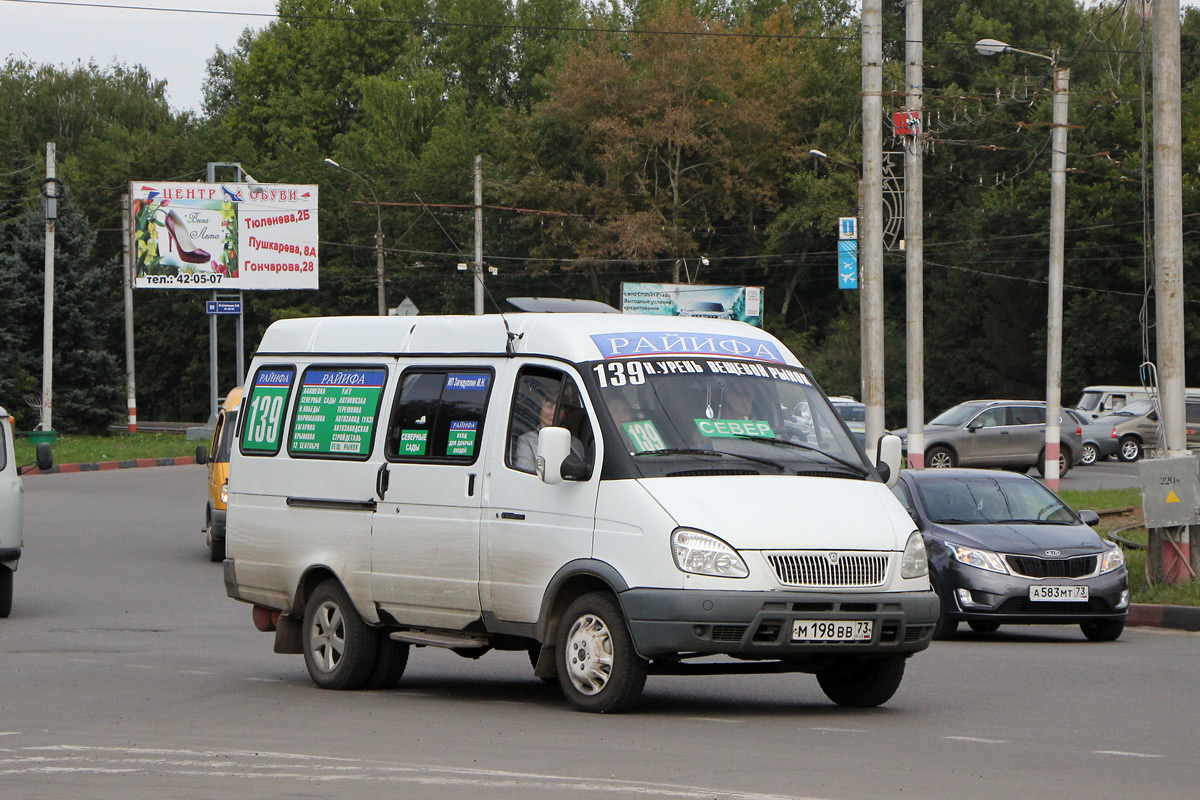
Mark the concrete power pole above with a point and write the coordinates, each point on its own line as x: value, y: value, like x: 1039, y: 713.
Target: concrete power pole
x: 478, y: 267
x: 871, y: 299
x: 914, y: 234
x: 127, y: 268
x: 50, y: 189
x: 1058, y: 213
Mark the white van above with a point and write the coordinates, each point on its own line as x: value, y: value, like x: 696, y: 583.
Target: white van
x: 617, y: 495
x: 11, y: 497
x: 1099, y: 401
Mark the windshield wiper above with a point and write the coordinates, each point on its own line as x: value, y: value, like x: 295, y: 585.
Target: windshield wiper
x: 848, y: 464
x: 696, y: 451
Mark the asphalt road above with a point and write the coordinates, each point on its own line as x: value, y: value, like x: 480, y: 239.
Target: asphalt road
x: 127, y: 673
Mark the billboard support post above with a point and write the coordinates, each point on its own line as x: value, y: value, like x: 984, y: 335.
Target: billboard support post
x: 127, y: 268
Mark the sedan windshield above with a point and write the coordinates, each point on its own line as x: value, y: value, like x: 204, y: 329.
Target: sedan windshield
x: 724, y: 415
x: 984, y: 500
x: 957, y: 415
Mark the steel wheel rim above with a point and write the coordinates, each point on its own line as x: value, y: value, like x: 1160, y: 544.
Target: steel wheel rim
x: 589, y: 655
x: 327, y: 637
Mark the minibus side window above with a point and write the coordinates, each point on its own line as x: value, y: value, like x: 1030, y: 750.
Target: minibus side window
x: 262, y: 428
x: 439, y: 416
x: 337, y: 409
x: 547, y: 397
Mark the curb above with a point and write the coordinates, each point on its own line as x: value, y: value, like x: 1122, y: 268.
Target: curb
x: 101, y: 466
x: 1183, y: 618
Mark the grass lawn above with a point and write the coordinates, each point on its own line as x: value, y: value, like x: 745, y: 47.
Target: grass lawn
x: 69, y: 448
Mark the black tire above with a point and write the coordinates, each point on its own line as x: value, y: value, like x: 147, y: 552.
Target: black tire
x: 946, y: 626
x: 1064, y: 462
x: 1130, y: 449
x: 6, y: 590
x: 1090, y: 455
x: 984, y: 626
x: 391, y: 658
x: 339, y: 648
x: 940, y: 458
x: 863, y: 683
x: 599, y: 669
x: 216, y: 548
x: 1103, y: 630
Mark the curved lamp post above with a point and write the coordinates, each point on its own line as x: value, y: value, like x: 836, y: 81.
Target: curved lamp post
x: 1058, y: 208
x: 378, y: 236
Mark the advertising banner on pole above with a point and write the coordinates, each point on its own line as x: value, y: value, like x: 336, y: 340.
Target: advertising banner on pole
x: 742, y: 303
x: 240, y: 236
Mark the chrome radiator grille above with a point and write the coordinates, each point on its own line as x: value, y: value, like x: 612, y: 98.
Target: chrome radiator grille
x: 829, y: 570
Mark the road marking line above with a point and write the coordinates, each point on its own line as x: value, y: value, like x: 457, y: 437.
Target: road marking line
x: 10, y: 733
x: 838, y: 730
x: 141, y: 666
x: 717, y: 719
x: 975, y: 739
x: 1126, y: 754
x: 195, y: 672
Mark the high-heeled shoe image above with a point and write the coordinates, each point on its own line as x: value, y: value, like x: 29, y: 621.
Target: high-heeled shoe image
x: 179, y: 239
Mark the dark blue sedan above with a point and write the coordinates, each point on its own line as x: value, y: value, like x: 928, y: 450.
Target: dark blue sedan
x: 1004, y: 550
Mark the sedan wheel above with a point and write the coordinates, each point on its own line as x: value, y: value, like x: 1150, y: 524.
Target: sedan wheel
x: 1131, y: 449
x: 1089, y: 454
x: 939, y: 458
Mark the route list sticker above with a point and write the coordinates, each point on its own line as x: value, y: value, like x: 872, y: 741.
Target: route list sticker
x: 336, y: 411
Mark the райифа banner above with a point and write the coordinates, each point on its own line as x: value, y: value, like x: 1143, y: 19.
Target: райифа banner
x: 224, y: 236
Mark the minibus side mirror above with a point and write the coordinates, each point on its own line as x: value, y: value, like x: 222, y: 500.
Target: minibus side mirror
x: 554, y: 445
x: 888, y: 458
x: 201, y: 454
x: 44, y: 456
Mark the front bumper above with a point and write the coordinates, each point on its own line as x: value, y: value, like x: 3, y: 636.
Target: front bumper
x: 1005, y: 599
x: 759, y: 624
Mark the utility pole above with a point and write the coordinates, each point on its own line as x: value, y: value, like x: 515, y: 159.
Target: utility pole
x: 127, y: 268
x: 50, y: 190
x: 1168, y: 278
x: 478, y: 267
x: 914, y: 233
x: 871, y: 297
x: 1058, y: 213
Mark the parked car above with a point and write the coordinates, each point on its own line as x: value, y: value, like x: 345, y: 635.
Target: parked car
x: 217, y: 458
x: 1100, y: 401
x: 1005, y: 550
x: 1097, y: 434
x: 1136, y: 428
x: 854, y: 414
x: 996, y: 433
x: 11, y: 496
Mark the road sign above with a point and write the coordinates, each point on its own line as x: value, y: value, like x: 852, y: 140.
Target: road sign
x: 223, y: 306
x: 847, y: 228
x: 847, y: 264
x: 407, y: 308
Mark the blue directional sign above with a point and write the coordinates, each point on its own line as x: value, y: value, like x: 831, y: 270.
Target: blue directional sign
x: 223, y: 306
x: 847, y: 264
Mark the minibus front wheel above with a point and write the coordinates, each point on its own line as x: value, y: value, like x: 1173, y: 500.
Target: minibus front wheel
x: 339, y: 648
x: 599, y: 669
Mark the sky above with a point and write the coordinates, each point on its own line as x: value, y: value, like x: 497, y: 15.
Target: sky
x: 172, y: 46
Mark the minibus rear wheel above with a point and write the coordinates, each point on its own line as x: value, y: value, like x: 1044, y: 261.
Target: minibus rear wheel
x: 339, y: 648
x: 6, y: 591
x: 598, y: 668
x: 863, y: 683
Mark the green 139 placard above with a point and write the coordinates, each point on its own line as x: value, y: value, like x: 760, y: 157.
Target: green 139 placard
x: 264, y: 412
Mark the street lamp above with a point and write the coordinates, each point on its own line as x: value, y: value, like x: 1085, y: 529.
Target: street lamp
x: 378, y: 236
x: 1058, y: 211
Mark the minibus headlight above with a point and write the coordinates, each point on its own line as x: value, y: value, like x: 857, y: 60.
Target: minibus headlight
x: 704, y: 554
x: 914, y: 563
x: 225, y: 492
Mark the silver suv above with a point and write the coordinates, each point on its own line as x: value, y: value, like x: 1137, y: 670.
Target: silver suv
x: 997, y: 433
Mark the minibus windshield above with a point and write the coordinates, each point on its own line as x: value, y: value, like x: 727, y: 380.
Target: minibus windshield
x: 724, y: 415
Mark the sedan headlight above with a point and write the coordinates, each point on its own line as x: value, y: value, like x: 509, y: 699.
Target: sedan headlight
x: 981, y: 559
x: 915, y: 562
x: 704, y: 554
x: 1112, y: 560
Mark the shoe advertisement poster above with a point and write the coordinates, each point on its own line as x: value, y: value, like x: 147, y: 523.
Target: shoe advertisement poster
x: 742, y: 303
x: 240, y: 236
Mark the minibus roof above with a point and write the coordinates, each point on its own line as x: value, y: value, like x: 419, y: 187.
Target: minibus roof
x: 573, y: 337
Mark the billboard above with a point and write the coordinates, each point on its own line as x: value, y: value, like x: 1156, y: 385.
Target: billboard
x: 238, y: 236
x: 690, y: 300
